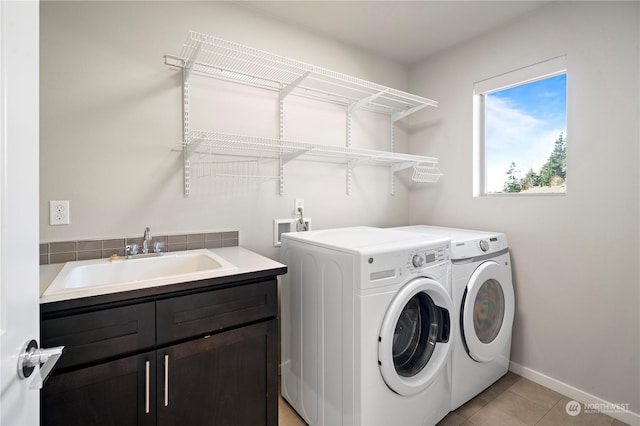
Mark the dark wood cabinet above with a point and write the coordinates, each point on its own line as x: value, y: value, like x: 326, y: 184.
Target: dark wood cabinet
x: 205, y: 357
x: 223, y: 379
x: 117, y: 393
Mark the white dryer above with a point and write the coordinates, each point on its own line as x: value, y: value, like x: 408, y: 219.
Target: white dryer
x: 482, y: 293
x: 366, y: 327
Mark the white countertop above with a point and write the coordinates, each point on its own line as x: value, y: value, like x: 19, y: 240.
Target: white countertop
x: 245, y: 260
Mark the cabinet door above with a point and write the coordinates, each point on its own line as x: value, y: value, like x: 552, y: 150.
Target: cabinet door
x: 117, y: 393
x: 228, y: 378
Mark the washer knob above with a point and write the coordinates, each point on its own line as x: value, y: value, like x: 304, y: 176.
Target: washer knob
x: 484, y: 245
x: 417, y: 260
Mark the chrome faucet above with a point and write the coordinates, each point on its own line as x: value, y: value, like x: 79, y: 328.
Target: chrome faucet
x: 131, y: 250
x: 147, y: 238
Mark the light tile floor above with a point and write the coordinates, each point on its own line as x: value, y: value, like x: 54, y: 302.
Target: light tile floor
x: 511, y: 401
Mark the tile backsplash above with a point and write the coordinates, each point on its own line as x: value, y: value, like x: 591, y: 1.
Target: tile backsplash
x: 67, y: 251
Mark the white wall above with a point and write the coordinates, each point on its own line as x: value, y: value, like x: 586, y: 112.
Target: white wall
x: 575, y: 258
x: 111, y: 113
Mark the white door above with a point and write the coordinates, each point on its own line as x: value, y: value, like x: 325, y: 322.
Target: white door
x: 487, y: 312
x: 414, y: 343
x: 19, y: 236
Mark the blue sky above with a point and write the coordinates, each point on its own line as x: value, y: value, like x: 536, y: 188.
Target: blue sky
x: 522, y: 124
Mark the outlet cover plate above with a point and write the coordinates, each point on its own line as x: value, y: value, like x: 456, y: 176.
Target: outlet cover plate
x: 59, y: 212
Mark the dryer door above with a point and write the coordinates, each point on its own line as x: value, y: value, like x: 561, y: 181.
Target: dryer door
x: 413, y: 345
x: 487, y: 311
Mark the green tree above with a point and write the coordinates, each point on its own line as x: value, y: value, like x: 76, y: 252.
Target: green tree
x: 554, y: 171
x: 531, y: 180
x: 512, y: 184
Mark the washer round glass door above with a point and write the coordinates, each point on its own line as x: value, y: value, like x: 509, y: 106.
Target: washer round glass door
x: 487, y: 311
x: 414, y: 338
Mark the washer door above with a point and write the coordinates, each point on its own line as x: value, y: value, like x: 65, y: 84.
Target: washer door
x: 414, y: 338
x: 487, y: 311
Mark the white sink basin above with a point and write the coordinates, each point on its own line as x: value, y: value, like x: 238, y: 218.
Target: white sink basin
x: 94, y: 276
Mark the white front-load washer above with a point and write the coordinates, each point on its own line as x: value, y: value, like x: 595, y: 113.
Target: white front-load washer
x: 366, y: 327
x: 484, y: 306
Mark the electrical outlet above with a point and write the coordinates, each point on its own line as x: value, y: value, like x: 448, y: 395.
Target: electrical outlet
x: 59, y: 212
x: 299, y: 204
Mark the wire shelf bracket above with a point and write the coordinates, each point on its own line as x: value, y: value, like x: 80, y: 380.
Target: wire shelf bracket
x: 285, y: 91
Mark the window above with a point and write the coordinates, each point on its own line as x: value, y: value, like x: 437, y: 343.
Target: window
x: 520, y: 131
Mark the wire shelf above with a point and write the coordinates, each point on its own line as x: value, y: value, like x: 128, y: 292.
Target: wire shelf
x: 208, y: 55
x: 231, y: 145
x: 222, y: 155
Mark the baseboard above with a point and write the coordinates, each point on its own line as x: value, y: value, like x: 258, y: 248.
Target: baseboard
x: 569, y: 391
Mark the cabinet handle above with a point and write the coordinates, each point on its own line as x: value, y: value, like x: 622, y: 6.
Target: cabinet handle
x: 166, y: 380
x: 146, y: 388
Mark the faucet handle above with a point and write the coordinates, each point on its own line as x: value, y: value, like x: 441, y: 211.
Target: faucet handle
x: 158, y: 246
x: 131, y: 249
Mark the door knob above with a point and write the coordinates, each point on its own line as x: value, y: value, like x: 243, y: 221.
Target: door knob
x: 31, y: 357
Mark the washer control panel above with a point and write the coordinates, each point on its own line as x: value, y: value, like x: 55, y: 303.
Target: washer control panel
x: 421, y: 258
x: 382, y: 268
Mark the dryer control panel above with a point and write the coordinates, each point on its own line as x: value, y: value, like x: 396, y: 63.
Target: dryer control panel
x: 480, y: 246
